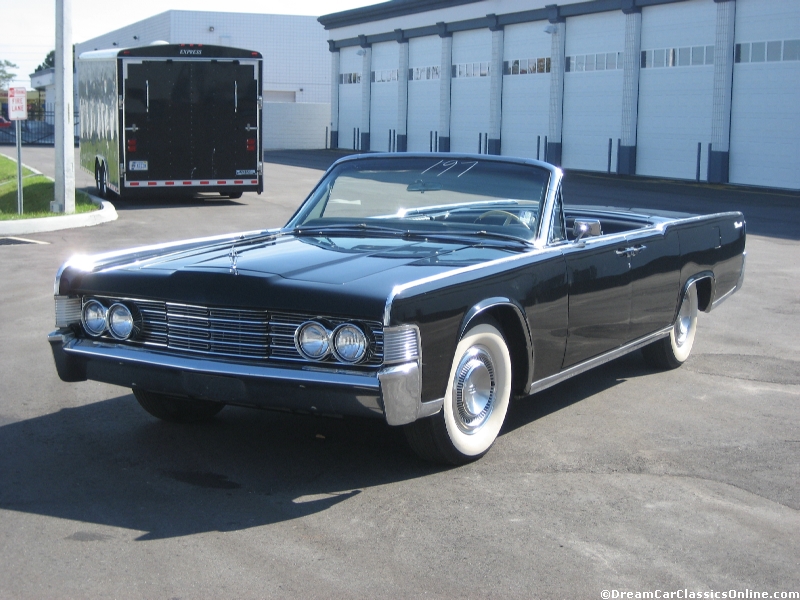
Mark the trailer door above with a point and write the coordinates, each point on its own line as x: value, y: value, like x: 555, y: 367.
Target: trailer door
x: 192, y: 121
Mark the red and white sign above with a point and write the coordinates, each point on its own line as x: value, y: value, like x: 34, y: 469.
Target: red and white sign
x: 17, y: 104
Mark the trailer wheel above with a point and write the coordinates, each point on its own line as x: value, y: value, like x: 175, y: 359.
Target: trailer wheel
x: 234, y: 195
x: 101, y: 180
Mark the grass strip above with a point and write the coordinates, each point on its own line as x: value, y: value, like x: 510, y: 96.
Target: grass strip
x: 37, y: 193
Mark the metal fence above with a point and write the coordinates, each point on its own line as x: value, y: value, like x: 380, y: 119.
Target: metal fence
x: 38, y: 129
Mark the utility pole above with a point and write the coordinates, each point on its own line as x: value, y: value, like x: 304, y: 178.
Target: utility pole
x: 65, y: 126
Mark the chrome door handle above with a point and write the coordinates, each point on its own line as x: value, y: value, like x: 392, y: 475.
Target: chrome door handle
x: 630, y: 250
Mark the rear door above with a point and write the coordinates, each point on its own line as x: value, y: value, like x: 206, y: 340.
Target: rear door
x: 655, y: 280
x: 191, y: 120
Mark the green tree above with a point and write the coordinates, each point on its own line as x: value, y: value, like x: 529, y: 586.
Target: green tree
x: 6, y: 75
x: 49, y: 62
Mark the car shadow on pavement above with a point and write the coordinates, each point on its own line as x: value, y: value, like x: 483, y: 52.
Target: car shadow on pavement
x: 109, y: 463
x: 526, y: 410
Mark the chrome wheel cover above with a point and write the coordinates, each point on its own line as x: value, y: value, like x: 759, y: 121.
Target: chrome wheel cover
x: 683, y: 324
x: 474, y: 390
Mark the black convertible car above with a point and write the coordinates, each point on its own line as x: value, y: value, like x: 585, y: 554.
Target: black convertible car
x: 426, y: 290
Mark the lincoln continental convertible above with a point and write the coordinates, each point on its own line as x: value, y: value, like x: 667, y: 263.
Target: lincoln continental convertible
x: 427, y: 290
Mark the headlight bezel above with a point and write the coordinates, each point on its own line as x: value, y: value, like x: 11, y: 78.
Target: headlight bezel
x: 324, y: 334
x: 121, y: 308
x: 99, y: 324
x: 362, y: 339
x: 332, y: 336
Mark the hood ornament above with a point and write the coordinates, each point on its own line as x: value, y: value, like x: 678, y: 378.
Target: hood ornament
x: 233, y: 255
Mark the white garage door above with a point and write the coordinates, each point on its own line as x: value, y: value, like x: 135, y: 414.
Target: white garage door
x: 469, y: 90
x: 424, y: 56
x: 383, y: 112
x: 765, y: 127
x: 526, y: 90
x: 349, y: 98
x: 593, y: 91
x: 676, y: 86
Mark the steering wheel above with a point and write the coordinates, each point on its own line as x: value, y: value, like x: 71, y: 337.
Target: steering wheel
x: 508, y: 217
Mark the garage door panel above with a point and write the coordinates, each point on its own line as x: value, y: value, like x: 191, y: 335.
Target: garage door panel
x: 765, y: 128
x: 526, y: 90
x: 676, y: 89
x: 424, y: 92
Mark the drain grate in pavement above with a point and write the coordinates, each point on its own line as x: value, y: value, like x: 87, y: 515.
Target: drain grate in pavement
x: 15, y: 241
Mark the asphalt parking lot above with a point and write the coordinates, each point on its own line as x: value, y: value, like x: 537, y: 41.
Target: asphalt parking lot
x: 622, y: 479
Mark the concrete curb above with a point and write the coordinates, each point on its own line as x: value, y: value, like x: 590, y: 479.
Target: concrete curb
x: 106, y: 213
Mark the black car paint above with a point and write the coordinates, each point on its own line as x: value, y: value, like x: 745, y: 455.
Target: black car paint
x: 577, y: 300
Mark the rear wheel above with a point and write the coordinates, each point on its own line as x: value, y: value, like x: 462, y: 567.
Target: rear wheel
x: 671, y: 352
x: 233, y: 195
x: 475, y: 403
x: 176, y: 409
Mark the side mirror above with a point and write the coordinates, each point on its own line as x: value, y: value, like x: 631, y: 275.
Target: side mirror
x: 583, y: 228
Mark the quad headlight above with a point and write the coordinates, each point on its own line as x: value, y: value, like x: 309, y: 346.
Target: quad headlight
x: 120, y: 321
x: 348, y: 343
x: 93, y: 317
x: 312, y: 340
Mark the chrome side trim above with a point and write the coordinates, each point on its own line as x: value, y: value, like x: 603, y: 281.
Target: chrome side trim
x: 314, y: 376
x: 736, y: 288
x: 547, y: 382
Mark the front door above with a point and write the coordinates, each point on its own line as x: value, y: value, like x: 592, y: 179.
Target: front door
x: 599, y: 297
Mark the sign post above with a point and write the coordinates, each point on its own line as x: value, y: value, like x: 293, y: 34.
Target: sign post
x: 18, y: 111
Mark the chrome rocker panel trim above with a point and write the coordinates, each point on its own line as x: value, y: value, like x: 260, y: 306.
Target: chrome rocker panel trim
x: 547, y: 382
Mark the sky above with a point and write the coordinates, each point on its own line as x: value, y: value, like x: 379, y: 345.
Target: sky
x: 28, y: 27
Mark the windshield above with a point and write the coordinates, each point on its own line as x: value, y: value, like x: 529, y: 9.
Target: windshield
x: 432, y: 194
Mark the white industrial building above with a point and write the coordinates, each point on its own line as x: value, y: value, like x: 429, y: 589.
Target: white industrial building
x: 296, y: 63
x: 687, y: 89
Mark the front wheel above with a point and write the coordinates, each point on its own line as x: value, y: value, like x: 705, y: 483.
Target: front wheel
x: 671, y: 352
x: 176, y: 409
x: 475, y: 403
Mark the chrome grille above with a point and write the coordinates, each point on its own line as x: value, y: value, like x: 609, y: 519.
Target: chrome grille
x: 233, y: 332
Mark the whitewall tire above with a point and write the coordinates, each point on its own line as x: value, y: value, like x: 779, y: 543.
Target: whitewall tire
x: 475, y: 404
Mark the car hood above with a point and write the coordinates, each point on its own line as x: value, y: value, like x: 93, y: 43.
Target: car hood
x: 283, y: 272
x: 329, y: 260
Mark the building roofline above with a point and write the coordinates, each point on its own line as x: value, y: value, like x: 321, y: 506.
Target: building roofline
x: 386, y: 10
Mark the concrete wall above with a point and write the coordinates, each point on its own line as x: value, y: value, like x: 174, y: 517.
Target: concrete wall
x: 295, y: 126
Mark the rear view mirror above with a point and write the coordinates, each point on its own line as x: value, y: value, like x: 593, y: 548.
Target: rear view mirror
x: 583, y: 228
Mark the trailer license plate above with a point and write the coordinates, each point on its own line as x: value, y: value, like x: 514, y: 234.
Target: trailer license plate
x: 137, y: 165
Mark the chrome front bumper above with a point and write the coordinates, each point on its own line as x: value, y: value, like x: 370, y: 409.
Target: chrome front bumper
x: 392, y: 393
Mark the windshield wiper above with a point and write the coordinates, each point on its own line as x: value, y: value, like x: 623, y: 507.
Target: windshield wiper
x: 367, y: 229
x: 448, y: 235
x: 358, y: 228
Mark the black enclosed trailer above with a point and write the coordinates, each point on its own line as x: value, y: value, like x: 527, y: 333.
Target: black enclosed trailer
x: 172, y: 117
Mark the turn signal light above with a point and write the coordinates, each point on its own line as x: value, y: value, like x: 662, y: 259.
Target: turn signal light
x: 251, y: 144
x: 131, y: 145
